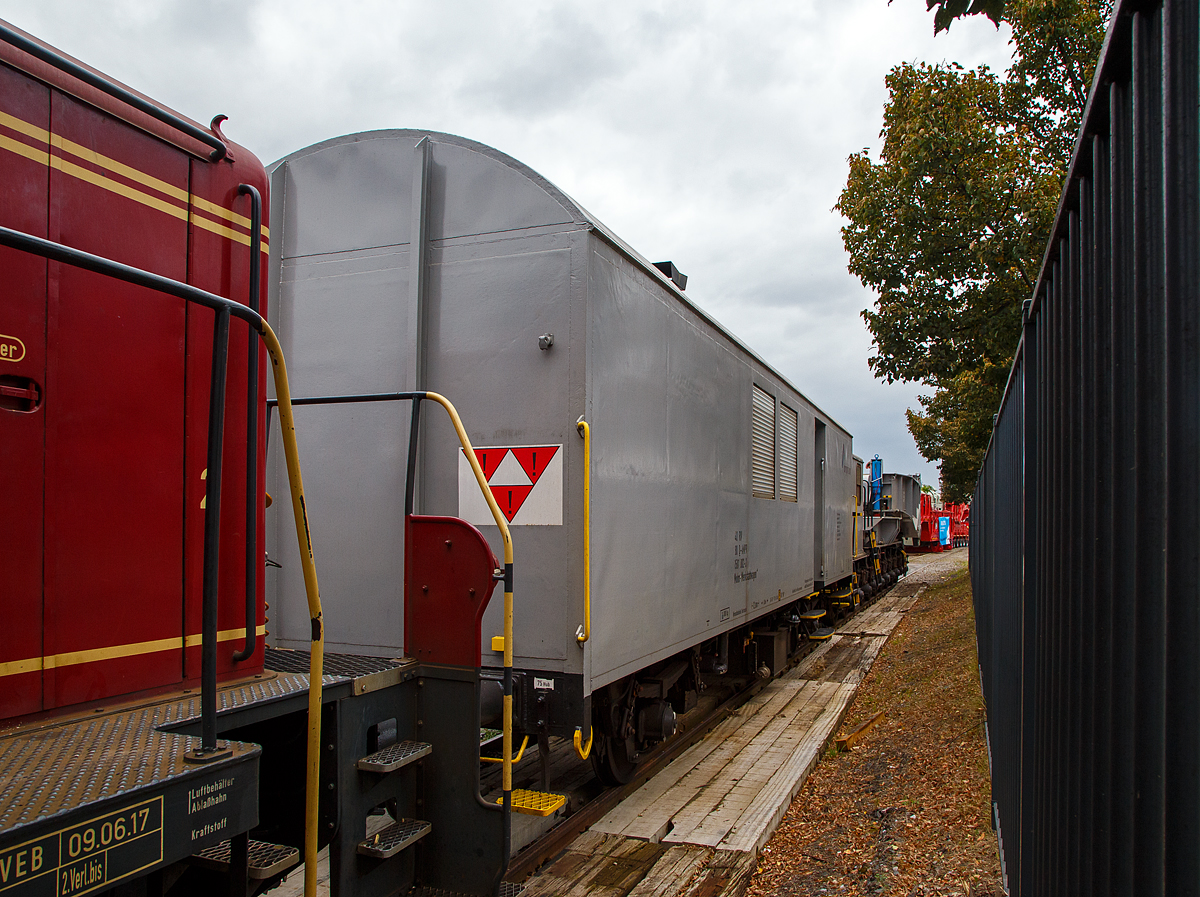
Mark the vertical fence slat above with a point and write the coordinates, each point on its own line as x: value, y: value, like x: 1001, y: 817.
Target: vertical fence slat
x: 1181, y: 222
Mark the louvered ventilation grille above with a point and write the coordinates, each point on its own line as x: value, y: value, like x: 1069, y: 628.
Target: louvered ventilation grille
x: 762, y: 444
x: 787, y: 453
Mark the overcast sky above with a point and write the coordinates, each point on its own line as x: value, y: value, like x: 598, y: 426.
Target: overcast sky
x: 713, y: 134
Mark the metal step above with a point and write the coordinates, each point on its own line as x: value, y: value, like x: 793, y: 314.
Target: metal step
x: 394, y: 756
x: 535, y: 803
x: 390, y: 841
x: 815, y: 614
x: 266, y: 860
x: 821, y: 634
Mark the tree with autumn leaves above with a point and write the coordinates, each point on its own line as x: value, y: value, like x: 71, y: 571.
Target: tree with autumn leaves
x: 949, y: 225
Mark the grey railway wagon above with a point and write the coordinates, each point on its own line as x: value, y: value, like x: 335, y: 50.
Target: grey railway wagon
x: 405, y: 260
x: 902, y: 498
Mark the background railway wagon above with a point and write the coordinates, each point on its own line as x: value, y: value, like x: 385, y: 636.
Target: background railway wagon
x: 406, y: 259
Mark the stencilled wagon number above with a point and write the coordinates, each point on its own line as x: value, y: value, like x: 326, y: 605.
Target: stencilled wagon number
x: 741, y: 550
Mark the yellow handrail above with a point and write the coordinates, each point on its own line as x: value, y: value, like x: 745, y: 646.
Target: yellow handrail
x: 585, y: 631
x: 287, y: 426
x: 506, y: 744
x: 516, y: 759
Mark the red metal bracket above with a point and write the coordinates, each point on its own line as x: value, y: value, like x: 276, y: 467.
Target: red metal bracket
x: 448, y: 581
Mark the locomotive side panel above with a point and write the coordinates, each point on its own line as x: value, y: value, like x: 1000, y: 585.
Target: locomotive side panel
x: 24, y: 190
x: 114, y: 467
x: 779, y: 564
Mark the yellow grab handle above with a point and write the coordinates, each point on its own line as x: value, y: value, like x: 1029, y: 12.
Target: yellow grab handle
x: 579, y: 747
x: 585, y: 631
x: 516, y: 759
x: 287, y: 426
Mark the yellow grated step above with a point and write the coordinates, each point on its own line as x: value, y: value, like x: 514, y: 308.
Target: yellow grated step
x: 535, y: 803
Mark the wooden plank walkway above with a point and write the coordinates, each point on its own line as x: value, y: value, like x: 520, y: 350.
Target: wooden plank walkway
x: 696, y: 827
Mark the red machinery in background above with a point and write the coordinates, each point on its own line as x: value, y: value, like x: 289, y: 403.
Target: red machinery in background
x: 960, y: 523
x: 942, y: 528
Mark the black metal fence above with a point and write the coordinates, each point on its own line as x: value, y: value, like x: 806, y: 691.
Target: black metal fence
x: 1085, y: 556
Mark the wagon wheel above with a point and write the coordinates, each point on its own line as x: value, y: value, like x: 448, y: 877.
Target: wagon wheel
x: 614, y: 760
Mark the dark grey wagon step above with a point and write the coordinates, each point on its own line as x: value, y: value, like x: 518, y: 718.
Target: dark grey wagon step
x: 821, y: 634
x: 266, y: 860
x: 390, y: 841
x: 395, y: 756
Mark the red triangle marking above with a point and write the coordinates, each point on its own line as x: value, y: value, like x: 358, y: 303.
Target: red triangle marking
x: 534, y: 459
x: 489, y: 459
x: 510, y: 499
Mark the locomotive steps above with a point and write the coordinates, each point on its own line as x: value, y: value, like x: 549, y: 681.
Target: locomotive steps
x: 697, y: 826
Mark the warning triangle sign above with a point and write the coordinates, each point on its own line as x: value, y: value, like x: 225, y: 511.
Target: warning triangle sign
x: 526, y: 482
x: 534, y: 459
x: 510, y: 499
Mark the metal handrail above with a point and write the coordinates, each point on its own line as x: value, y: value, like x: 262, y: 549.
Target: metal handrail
x: 416, y: 398
x: 516, y: 759
x: 585, y: 631
x: 227, y: 308
x: 253, y: 563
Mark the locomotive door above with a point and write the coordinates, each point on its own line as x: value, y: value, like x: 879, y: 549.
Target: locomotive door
x: 23, y: 190
x: 114, y: 413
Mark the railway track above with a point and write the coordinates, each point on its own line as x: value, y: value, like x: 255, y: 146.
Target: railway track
x: 588, y: 800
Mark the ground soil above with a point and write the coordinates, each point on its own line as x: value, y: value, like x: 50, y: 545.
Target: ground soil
x: 907, y: 811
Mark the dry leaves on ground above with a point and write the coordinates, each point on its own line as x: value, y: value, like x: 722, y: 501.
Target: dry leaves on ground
x: 907, y: 812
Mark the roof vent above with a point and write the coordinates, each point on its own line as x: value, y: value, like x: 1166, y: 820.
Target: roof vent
x: 677, y: 277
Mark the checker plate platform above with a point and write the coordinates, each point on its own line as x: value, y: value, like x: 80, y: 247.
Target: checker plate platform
x: 106, y: 794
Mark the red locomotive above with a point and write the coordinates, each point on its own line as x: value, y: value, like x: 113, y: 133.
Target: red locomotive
x: 105, y: 392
